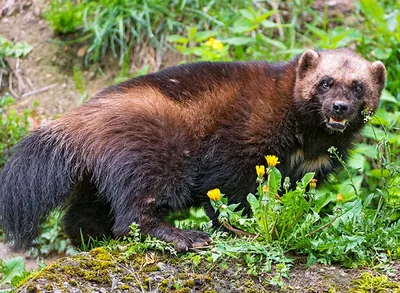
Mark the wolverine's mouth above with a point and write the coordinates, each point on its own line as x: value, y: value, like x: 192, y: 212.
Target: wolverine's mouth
x: 337, y: 124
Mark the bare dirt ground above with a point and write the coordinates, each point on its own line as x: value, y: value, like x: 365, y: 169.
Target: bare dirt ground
x: 46, y: 75
x: 41, y: 68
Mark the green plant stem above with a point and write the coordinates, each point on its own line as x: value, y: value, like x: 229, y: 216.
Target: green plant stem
x: 322, y: 227
x: 264, y: 214
x: 238, y: 231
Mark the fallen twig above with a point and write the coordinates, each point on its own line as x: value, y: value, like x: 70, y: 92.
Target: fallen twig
x: 10, y: 88
x: 2, y: 72
x: 38, y: 91
x: 237, y: 231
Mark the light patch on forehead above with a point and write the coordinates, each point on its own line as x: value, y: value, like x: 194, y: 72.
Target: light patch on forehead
x: 343, y: 68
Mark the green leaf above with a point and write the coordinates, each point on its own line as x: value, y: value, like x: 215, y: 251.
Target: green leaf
x: 321, y: 201
x: 373, y: 10
x: 311, y: 259
x: 274, y: 179
x: 192, y: 33
x: 357, y: 161
x: 353, y: 211
x: 177, y: 39
x: 379, y: 173
x: 347, y: 190
x: 247, y: 13
x: 243, y: 25
x: 388, y: 97
x: 366, y: 150
x: 238, y: 41
x: 203, y: 36
x: 269, y: 24
x: 253, y: 202
x: 274, y: 43
x: 307, y: 179
x: 318, y: 32
x: 12, y: 269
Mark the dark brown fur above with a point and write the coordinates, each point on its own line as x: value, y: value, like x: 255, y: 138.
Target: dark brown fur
x: 159, y: 142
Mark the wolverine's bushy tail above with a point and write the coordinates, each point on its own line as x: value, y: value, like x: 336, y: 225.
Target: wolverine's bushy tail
x: 36, y: 179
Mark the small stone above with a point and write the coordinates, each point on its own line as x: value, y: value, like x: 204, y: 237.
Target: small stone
x: 82, y: 51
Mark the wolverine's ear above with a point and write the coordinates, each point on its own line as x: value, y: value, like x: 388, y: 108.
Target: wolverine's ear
x: 379, y: 74
x: 307, y: 61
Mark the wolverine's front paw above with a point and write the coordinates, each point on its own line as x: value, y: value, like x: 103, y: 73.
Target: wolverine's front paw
x: 190, y: 239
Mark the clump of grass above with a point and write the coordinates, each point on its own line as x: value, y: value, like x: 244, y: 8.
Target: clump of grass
x: 13, y: 126
x: 111, y: 26
x: 360, y: 231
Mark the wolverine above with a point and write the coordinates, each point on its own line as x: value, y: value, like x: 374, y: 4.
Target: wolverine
x: 157, y: 143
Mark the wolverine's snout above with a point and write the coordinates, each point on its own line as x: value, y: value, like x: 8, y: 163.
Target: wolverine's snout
x: 339, y: 112
x: 339, y: 107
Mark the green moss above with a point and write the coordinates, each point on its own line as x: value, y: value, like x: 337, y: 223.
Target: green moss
x: 182, y: 290
x: 150, y: 268
x: 249, y: 283
x: 369, y: 283
x: 164, y: 286
x: 189, y: 283
x: 124, y: 287
x: 73, y: 283
x: 101, y: 254
x: 128, y: 278
x: 31, y: 288
x: 49, y: 287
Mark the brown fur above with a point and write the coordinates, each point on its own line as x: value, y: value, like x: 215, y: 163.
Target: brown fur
x: 159, y: 142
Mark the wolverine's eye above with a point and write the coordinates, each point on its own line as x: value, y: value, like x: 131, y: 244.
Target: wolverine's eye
x: 325, y: 84
x: 358, y: 89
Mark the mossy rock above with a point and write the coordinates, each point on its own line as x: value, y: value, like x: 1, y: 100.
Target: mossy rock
x: 102, y: 270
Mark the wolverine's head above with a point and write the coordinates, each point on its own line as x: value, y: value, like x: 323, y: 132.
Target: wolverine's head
x: 342, y: 83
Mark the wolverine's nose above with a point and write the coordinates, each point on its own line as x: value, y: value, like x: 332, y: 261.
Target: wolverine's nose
x: 340, y: 107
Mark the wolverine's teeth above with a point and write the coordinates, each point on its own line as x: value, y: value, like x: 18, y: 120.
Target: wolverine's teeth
x: 343, y: 121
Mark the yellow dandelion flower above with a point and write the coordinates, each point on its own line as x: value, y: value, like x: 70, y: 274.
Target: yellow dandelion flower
x: 265, y: 188
x: 260, y: 170
x: 214, y: 194
x: 272, y: 161
x: 339, y: 197
x: 210, y: 42
x: 217, y: 45
x: 313, y: 183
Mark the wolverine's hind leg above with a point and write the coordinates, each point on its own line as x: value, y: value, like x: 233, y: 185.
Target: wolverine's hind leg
x: 88, y: 216
x: 145, y: 180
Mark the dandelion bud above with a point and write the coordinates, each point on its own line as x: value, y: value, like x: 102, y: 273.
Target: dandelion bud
x: 286, y: 183
x: 260, y: 170
x: 313, y: 183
